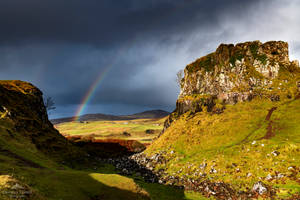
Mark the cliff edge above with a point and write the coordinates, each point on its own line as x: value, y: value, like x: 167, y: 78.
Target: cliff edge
x: 235, y: 132
x: 235, y: 73
x: 23, y: 117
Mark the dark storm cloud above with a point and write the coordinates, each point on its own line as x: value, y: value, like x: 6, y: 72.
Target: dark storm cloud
x: 105, y: 22
x: 63, y: 46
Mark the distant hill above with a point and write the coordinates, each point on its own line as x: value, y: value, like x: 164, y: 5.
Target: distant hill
x: 151, y: 114
x: 36, y: 160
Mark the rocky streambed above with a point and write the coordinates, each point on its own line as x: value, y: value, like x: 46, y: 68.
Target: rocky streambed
x: 144, y: 166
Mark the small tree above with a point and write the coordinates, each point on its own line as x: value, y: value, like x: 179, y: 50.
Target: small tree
x: 49, y: 103
x: 179, y: 77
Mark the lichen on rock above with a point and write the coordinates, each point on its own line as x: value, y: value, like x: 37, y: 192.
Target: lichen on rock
x: 239, y: 68
x: 235, y: 73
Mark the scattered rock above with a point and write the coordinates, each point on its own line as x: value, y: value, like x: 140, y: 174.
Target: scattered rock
x: 17, y: 187
x: 260, y: 188
x: 125, y: 133
x: 279, y: 176
x: 234, y: 165
x: 269, y: 177
x: 203, y: 166
x: 213, y: 170
x: 275, y: 153
x: 150, y: 131
x: 144, y: 166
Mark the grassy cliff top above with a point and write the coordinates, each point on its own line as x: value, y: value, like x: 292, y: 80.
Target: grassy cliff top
x: 226, y: 55
x: 19, y: 86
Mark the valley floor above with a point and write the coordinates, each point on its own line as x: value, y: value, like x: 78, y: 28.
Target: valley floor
x: 251, y: 148
x: 142, y: 130
x: 101, y: 182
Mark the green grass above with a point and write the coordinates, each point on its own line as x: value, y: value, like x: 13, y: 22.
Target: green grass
x: 36, y: 160
x: 55, y: 181
x: 227, y: 139
x: 254, y: 48
x: 104, y: 183
x: 195, y: 196
x: 48, y: 179
x: 72, y: 184
x: 114, y: 129
x: 206, y: 62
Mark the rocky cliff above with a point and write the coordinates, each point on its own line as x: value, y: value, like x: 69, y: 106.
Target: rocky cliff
x: 23, y: 115
x: 235, y: 131
x: 236, y: 73
x: 36, y: 162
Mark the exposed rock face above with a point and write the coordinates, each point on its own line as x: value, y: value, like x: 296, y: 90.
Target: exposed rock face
x: 22, y: 100
x: 23, y: 112
x: 232, y: 73
x: 235, y: 73
x: 23, y: 115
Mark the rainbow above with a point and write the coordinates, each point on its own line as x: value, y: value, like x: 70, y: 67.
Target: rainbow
x: 85, y: 100
x: 89, y: 94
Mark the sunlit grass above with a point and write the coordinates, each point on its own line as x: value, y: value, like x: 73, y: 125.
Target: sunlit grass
x: 231, y: 143
x: 114, y: 129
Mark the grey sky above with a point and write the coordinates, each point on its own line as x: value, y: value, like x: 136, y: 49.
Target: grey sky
x: 63, y: 46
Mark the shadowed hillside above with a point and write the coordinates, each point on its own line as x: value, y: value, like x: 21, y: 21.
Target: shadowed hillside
x: 24, y: 120
x: 36, y: 162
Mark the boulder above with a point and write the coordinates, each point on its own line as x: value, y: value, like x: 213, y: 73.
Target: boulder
x: 150, y: 131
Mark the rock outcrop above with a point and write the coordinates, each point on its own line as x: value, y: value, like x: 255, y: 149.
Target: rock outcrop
x: 23, y: 114
x: 236, y: 73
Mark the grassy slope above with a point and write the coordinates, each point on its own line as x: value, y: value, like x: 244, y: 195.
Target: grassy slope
x: 50, y: 180
x: 114, y: 129
x: 225, y: 140
x: 25, y: 169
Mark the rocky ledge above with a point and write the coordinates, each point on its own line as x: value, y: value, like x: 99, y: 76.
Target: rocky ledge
x: 23, y: 112
x: 140, y: 165
x: 236, y: 73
